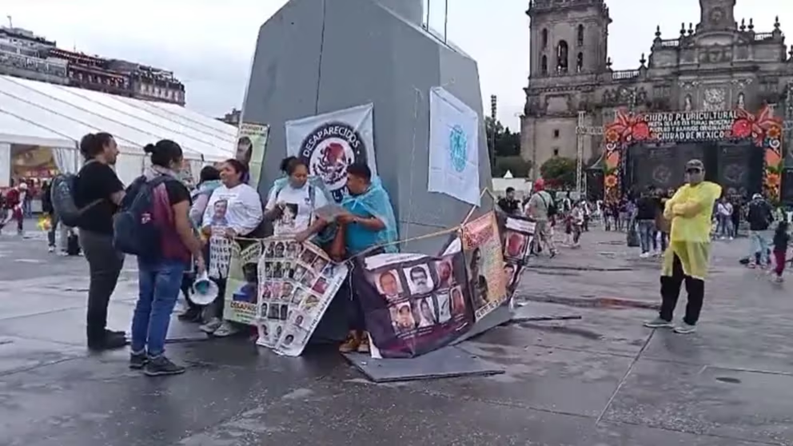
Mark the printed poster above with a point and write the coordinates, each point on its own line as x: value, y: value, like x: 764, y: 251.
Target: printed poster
x: 251, y: 144
x: 297, y: 282
x: 454, y: 148
x: 482, y: 247
x: 330, y: 142
x: 242, y: 284
x: 517, y: 236
x: 413, y: 303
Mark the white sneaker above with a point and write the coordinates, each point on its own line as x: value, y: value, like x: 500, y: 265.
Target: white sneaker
x: 684, y: 328
x: 63, y: 254
x: 644, y: 255
x: 226, y: 329
x: 211, y: 326
x: 51, y: 249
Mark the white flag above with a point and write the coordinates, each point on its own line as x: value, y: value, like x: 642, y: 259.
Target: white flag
x: 330, y: 142
x: 454, y: 147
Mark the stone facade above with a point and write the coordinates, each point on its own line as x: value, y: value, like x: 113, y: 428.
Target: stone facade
x: 717, y: 64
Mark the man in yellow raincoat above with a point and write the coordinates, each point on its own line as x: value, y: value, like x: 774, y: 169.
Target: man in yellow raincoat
x: 686, y: 258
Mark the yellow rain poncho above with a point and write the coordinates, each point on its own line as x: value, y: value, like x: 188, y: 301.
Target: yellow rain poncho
x: 690, y: 211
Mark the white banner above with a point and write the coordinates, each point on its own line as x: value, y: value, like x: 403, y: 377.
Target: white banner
x: 454, y: 147
x: 251, y: 144
x: 330, y: 142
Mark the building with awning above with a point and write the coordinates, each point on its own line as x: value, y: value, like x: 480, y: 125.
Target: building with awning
x: 41, y: 125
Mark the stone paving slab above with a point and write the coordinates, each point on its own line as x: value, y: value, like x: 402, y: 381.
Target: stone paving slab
x: 707, y: 400
x: 18, y: 354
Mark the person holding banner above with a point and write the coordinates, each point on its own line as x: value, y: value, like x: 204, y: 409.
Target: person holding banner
x: 367, y: 226
x: 234, y: 210
x: 293, y: 200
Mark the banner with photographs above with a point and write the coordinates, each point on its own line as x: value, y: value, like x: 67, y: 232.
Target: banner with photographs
x: 413, y: 303
x: 251, y: 144
x: 242, y: 282
x: 517, y: 236
x: 297, y: 282
x: 330, y: 142
x: 481, y: 245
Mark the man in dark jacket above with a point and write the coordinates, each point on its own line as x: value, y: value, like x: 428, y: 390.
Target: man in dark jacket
x: 647, y: 208
x: 760, y: 216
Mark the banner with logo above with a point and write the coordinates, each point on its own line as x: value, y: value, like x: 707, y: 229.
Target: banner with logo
x: 517, y: 235
x: 251, y: 144
x: 413, y: 303
x: 481, y: 244
x: 454, y: 148
x: 330, y: 142
x: 297, y: 282
x: 242, y: 282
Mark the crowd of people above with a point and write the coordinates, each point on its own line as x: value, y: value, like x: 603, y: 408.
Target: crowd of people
x: 173, y: 231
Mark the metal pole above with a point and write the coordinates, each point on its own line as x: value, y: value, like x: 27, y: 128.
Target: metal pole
x: 493, y: 110
x: 429, y: 6
x: 446, y: 22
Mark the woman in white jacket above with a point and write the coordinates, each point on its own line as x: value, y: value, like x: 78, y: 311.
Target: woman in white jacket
x: 233, y: 210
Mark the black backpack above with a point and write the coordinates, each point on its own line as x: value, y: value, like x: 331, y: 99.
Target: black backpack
x: 62, y: 197
x: 553, y: 209
x: 134, y: 230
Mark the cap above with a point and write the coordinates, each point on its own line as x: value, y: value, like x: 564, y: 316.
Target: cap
x: 695, y: 164
x: 756, y: 197
x: 539, y: 184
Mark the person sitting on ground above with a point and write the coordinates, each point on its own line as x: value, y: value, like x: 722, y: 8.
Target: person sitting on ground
x: 159, y: 279
x: 368, y: 226
x: 687, y: 258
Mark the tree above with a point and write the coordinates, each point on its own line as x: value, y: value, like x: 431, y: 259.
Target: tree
x: 559, y: 172
x: 507, y: 145
x: 519, y: 167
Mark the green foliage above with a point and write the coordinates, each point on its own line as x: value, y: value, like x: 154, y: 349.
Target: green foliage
x: 507, y: 146
x: 559, y: 172
x: 519, y: 167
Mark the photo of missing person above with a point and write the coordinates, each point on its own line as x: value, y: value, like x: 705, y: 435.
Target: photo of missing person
x: 330, y: 270
x: 264, y: 310
x: 268, y: 249
x: 388, y: 285
x: 402, y: 317
x: 284, y: 312
x: 278, y: 251
x: 278, y: 272
x: 426, y: 313
x: 286, y: 291
x: 308, y: 256
x: 458, y: 301
x: 287, y: 219
x: 319, y: 264
x: 278, y: 332
x: 479, y: 285
x: 509, y: 274
x: 419, y: 280
x: 310, y: 302
x: 288, y: 271
x: 219, y: 215
x: 300, y: 271
x: 268, y: 270
x: 274, y: 312
x: 320, y: 286
x: 299, y: 320
x: 298, y: 296
x: 444, y: 310
x: 515, y: 245
x: 308, y: 279
x: 289, y: 339
x: 445, y: 274
x: 247, y: 292
x: 292, y: 249
x: 244, y: 150
x: 267, y: 292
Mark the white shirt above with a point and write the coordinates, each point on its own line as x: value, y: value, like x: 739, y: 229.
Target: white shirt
x: 298, y: 214
x: 238, y: 208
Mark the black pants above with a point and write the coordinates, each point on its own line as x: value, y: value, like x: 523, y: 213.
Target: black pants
x: 220, y: 300
x: 104, y: 264
x: 670, y: 292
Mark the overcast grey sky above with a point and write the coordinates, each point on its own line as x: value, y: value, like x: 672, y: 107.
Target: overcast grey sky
x: 209, y: 43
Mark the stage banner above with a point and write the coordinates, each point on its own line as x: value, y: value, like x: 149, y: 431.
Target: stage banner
x: 297, y: 282
x: 413, y: 303
x: 481, y: 245
x: 242, y: 282
x: 251, y: 144
x: 330, y: 142
x: 454, y: 148
x: 517, y: 234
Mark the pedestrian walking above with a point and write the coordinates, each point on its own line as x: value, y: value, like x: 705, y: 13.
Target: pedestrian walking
x: 542, y: 209
x: 687, y: 258
x: 760, y: 217
x: 781, y: 242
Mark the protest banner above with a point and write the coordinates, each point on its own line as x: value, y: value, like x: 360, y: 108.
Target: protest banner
x: 482, y: 247
x: 517, y: 237
x: 297, y: 282
x: 251, y: 144
x: 413, y: 303
x: 242, y: 284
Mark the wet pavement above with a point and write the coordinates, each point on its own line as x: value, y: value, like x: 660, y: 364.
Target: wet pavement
x: 601, y: 380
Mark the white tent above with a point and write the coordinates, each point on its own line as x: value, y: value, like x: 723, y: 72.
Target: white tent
x: 49, y: 115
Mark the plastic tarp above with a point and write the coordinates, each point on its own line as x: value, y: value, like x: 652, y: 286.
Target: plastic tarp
x: 52, y: 115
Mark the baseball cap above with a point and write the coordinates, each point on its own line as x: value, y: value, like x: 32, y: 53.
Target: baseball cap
x: 695, y: 164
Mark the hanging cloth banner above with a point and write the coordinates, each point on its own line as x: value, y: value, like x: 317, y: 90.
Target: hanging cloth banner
x: 330, y: 142
x: 454, y: 148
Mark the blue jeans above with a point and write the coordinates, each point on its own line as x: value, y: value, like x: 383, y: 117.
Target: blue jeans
x: 647, y: 235
x: 159, y: 286
x: 759, y: 249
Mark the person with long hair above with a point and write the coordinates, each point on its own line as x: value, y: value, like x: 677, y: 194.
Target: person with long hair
x: 160, y: 278
x: 234, y: 210
x: 99, y: 192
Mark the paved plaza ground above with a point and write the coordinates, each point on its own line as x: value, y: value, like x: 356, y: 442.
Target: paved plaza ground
x: 601, y: 380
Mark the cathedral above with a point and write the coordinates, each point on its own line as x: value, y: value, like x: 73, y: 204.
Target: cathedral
x: 719, y: 64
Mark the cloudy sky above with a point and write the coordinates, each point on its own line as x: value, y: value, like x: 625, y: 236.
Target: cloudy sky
x: 209, y: 43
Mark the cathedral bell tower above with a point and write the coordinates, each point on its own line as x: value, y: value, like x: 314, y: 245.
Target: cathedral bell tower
x: 717, y: 15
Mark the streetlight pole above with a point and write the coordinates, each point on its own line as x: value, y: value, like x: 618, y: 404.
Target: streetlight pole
x: 493, y: 110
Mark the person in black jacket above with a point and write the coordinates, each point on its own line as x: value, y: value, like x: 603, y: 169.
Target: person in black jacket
x: 648, y: 207
x: 48, y: 210
x: 760, y: 216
